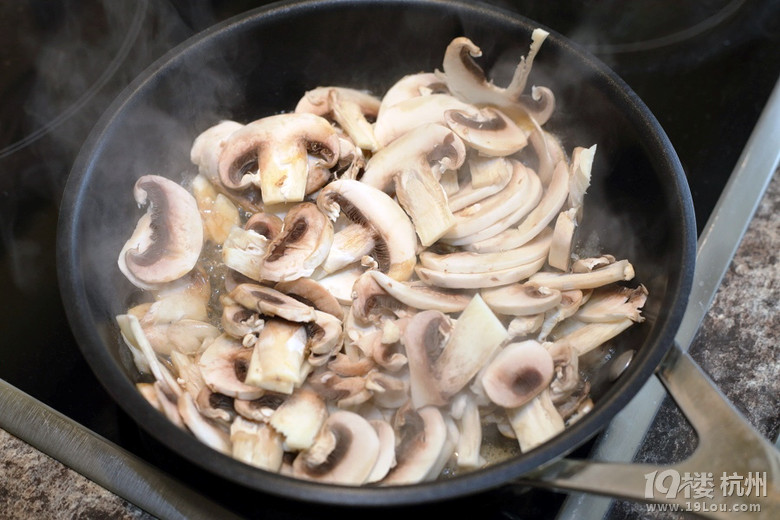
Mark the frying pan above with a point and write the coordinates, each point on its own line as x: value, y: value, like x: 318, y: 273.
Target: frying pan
x: 638, y: 206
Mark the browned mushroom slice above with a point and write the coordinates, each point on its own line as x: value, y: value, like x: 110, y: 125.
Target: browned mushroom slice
x: 168, y: 238
x: 518, y: 373
x: 395, y: 248
x: 271, y: 302
x: 422, y: 438
x: 344, y: 452
x: 490, y: 131
x: 311, y: 293
x: 351, y: 109
x: 299, y: 419
x: 521, y: 299
x: 273, y: 153
x: 224, y: 366
x: 300, y: 247
x: 256, y: 443
x: 277, y: 357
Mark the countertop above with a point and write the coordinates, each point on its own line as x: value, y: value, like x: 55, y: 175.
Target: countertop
x: 740, y: 329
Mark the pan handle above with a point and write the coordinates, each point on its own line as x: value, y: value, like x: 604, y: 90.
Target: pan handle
x: 734, y: 471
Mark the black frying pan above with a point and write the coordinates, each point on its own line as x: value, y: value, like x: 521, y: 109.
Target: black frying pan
x: 638, y: 205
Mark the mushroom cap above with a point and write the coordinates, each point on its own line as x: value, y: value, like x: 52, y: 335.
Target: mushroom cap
x: 422, y: 438
x: 344, y: 452
x: 489, y: 131
x: 518, y: 373
x: 168, y: 238
x: 224, y: 367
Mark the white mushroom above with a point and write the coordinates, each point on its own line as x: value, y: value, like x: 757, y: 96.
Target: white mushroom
x: 422, y: 436
x: 277, y: 357
x: 348, y: 107
x: 256, y: 443
x: 518, y: 373
x: 422, y: 296
x: 167, y: 241
x: 299, y: 419
x: 208, y: 146
x: 489, y: 131
x: 521, y: 299
x: 536, y: 421
x: 224, y: 366
x: 206, y: 430
x: 274, y: 153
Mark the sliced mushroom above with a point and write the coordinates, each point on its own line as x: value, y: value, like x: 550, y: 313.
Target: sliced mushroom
x: 224, y: 366
x: 218, y: 213
x: 489, y: 131
x: 312, y: 293
x: 422, y: 435
x: 256, y: 443
x: 168, y: 239
x: 300, y: 247
x: 243, y: 252
x: 271, y: 302
x: 216, y: 406
x: 570, y: 302
x: 351, y: 109
x: 479, y: 280
x: 277, y: 357
x: 563, y: 237
x: 208, y: 146
x: 522, y: 326
x: 432, y: 147
x: 465, y: 410
x: 273, y: 153
x: 567, y: 377
x: 388, y: 391
x: 489, y: 175
x: 535, y: 422
x: 411, y: 86
x: 593, y: 335
x: 521, y: 299
x: 581, y: 167
x: 350, y: 244
x: 386, y: 458
x: 260, y: 409
x: 518, y: 373
x: 299, y: 419
x: 618, y: 271
x: 325, y: 337
x: 206, y: 430
x: 396, y: 241
x: 340, y: 283
x: 264, y: 224
x: 344, y: 452
x: 421, y: 296
x: 407, y: 115
x: 612, y: 303
x: 424, y: 200
x: 238, y: 321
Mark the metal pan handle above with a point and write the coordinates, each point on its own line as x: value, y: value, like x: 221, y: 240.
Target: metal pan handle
x: 702, y: 484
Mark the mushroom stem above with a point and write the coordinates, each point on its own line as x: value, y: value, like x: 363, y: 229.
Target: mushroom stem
x: 535, y: 422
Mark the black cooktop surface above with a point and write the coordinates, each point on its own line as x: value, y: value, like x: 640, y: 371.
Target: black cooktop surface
x: 705, y: 68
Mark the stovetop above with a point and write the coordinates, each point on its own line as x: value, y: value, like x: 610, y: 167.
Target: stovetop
x: 705, y: 68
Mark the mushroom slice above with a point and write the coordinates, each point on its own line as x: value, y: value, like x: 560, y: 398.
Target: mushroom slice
x: 522, y: 326
x: 344, y: 452
x: 388, y: 391
x: 300, y: 247
x: 593, y: 335
x: 570, y: 302
x: 208, y: 146
x: 243, y: 252
x: 135, y: 338
x: 325, y: 337
x: 205, y: 430
x: 479, y: 280
x: 464, y: 408
x: 536, y: 421
x: 350, y: 108
x: 340, y: 283
x: 618, y: 271
x: 467, y: 80
x: 370, y: 302
x: 485, y: 213
x: 257, y: 444
x: 470, y: 262
x: 260, y: 409
x: 489, y: 175
x: 215, y: 405
x: 271, y: 302
x: 566, y: 366
x: 312, y: 293
x: 168, y: 238
x: 265, y: 224
x: 490, y: 131
x: 549, y: 206
x: 273, y: 153
x: 386, y: 458
x: 423, y: 338
x: 431, y: 147
x: 421, y: 296
x: 424, y: 200
x: 277, y: 357
x: 299, y: 419
x: 422, y: 437
x: 521, y: 299
x: 518, y: 373
x: 224, y: 366
x: 407, y: 115
x: 613, y: 303
x: 581, y: 167
x: 238, y: 321
x: 395, y: 249
x: 349, y: 245
x: 411, y: 86
x: 563, y: 236
x: 218, y: 213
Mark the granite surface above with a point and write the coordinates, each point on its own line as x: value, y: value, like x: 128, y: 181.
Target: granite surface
x: 740, y: 330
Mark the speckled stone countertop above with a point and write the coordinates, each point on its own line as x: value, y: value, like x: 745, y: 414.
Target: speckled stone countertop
x: 740, y: 330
